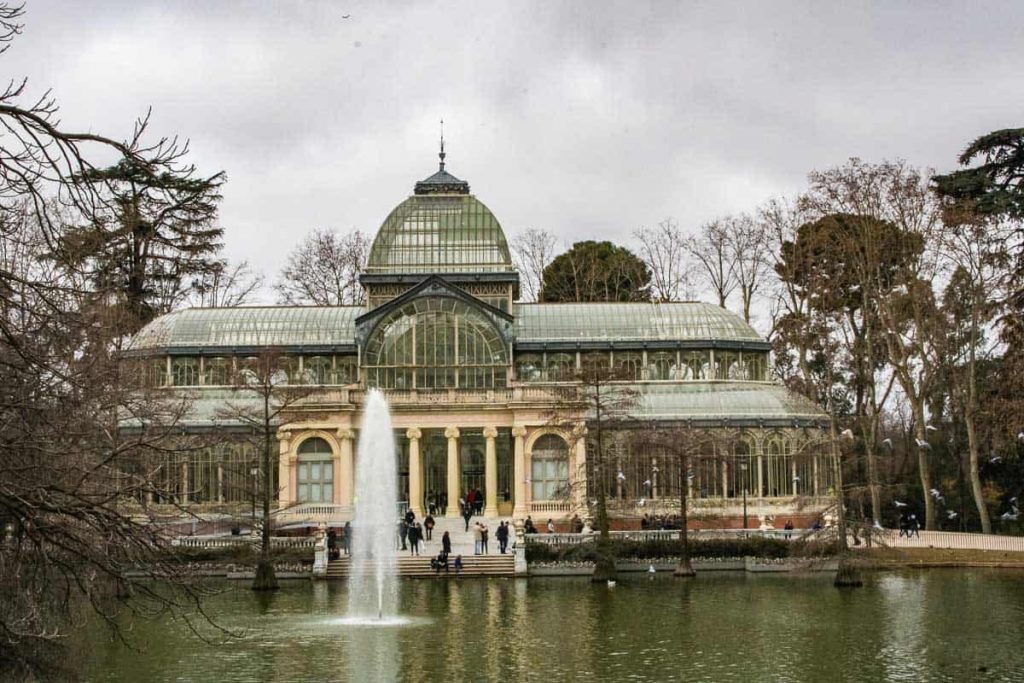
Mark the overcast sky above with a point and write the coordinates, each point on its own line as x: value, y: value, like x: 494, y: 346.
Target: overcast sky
x: 587, y: 118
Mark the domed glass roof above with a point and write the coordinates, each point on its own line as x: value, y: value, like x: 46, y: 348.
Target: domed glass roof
x: 440, y: 229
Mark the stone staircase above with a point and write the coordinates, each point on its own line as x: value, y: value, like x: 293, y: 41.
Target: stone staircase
x: 491, y: 564
x: 419, y: 566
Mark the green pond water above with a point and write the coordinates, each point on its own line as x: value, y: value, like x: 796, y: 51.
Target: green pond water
x: 937, y: 625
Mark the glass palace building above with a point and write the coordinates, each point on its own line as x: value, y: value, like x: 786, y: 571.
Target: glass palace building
x: 477, y: 385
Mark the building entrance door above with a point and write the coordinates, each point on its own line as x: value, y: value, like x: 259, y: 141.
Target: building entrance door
x: 435, y: 470
x: 471, y: 462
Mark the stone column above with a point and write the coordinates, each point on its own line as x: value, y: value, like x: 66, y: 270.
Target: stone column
x: 817, y: 485
x: 578, y: 474
x: 220, y: 482
x: 344, y: 478
x: 490, y: 473
x: 520, y: 509
x: 654, y: 478
x: 725, y: 479
x: 285, y: 470
x: 793, y: 477
x: 452, y: 434
x: 760, y: 476
x: 415, y: 471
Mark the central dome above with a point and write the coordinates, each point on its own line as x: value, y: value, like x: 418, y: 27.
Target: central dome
x: 440, y: 229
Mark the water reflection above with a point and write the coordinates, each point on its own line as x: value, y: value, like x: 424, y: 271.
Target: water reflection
x: 901, y: 627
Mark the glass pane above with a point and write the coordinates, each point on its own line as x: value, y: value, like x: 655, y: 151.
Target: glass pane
x: 314, y: 471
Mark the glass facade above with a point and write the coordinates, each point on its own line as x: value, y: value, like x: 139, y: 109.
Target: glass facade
x: 549, y: 468
x: 436, y: 343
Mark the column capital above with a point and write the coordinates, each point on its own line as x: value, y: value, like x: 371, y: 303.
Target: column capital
x: 490, y: 432
x: 346, y: 433
x: 284, y: 435
x: 519, y: 432
x: 451, y: 433
x: 413, y: 433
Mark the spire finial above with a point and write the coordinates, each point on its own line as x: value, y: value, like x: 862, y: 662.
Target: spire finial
x: 442, y: 145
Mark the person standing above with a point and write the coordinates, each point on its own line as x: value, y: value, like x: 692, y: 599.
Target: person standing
x: 484, y: 534
x: 478, y: 538
x: 346, y: 539
x: 446, y: 544
x: 414, y: 539
x: 403, y: 532
x: 428, y: 527
x: 478, y: 500
x: 502, y: 534
x: 551, y: 526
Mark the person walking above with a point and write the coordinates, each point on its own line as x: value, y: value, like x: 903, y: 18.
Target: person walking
x: 428, y: 527
x: 410, y: 517
x: 446, y: 544
x: 467, y: 514
x: 471, y: 500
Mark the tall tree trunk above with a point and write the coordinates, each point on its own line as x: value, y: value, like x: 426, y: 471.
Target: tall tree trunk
x: 266, y: 579
x: 604, y: 563
x: 923, y: 462
x: 684, y: 568
x: 979, y: 498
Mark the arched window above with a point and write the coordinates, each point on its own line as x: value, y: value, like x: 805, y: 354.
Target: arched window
x: 436, y: 343
x: 695, y: 365
x: 727, y: 365
x: 316, y: 472
x: 529, y: 368
x: 550, y: 468
x: 660, y: 365
x: 561, y: 367
x: 217, y: 371
x: 318, y: 370
x: 629, y: 365
x: 595, y: 361
x: 185, y: 371
x: 755, y: 365
x: 779, y: 466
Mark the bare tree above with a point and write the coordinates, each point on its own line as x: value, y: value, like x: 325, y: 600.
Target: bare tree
x: 73, y: 412
x: 324, y: 270
x: 891, y: 209
x: 663, y: 249
x: 532, y: 251
x: 266, y: 387
x: 226, y: 285
x: 751, y: 260
x: 712, y: 251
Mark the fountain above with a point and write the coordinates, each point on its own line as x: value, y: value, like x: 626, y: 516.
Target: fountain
x: 372, y: 580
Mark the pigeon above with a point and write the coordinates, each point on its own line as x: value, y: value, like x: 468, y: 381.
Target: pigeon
x: 923, y: 444
x: 1014, y: 499
x: 796, y: 479
x: 846, y: 433
x: 1010, y: 516
x: 689, y: 476
x: 651, y: 570
x: 995, y: 459
x: 345, y: 16
x: 641, y: 502
x: 929, y: 428
x: 878, y: 525
x: 951, y: 514
x: 1020, y: 435
x: 887, y: 443
x: 621, y: 476
x: 647, y: 483
x: 936, y: 493
x: 611, y: 583
x: 899, y: 504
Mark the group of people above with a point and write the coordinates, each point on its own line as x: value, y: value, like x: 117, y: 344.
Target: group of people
x: 336, y: 548
x: 530, y: 528
x: 481, y: 536
x: 411, y: 533
x: 909, y: 526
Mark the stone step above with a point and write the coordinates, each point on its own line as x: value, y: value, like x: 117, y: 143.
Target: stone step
x: 480, y: 565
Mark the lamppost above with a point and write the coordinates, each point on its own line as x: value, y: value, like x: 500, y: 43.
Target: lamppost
x: 255, y: 472
x: 743, y: 469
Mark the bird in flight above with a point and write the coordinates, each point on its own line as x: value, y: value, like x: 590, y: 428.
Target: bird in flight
x: 345, y: 16
x: 899, y: 504
x: 887, y: 443
x: 847, y: 433
x: 923, y: 444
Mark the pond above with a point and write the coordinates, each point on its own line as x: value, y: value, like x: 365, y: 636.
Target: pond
x: 935, y: 625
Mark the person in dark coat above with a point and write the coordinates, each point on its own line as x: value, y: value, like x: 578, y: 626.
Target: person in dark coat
x: 414, y: 539
x: 502, y: 535
x: 446, y: 544
x: 410, y: 517
x: 428, y: 527
x: 478, y: 501
x: 467, y: 514
x: 346, y: 538
x: 529, y: 528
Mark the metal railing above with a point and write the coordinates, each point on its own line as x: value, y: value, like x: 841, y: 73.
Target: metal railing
x: 665, y: 535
